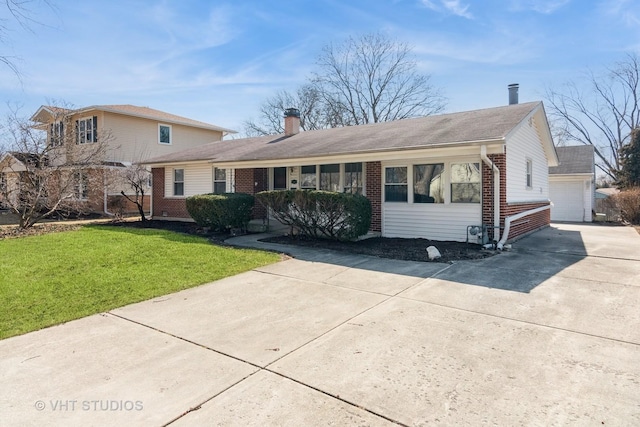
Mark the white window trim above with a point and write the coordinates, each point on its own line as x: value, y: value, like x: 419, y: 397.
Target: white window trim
x: 160, y: 125
x: 528, y: 173
x: 173, y: 182
x: 93, y: 131
x: 226, y: 179
x: 409, y: 182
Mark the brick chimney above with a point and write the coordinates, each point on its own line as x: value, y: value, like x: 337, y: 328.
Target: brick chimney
x: 291, y: 121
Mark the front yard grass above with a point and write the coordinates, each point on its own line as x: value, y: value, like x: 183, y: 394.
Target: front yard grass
x: 50, y: 279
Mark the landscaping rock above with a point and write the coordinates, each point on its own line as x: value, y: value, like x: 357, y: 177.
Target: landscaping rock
x: 433, y: 253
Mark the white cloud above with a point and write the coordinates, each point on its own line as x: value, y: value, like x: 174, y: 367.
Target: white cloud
x: 453, y: 7
x: 541, y: 6
x: 627, y: 11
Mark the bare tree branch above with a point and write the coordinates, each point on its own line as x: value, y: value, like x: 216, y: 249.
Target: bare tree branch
x: 605, y: 115
x: 369, y: 79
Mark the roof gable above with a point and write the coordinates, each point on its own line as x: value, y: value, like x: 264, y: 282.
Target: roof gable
x: 47, y: 113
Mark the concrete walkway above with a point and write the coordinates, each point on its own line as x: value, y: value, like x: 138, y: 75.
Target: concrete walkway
x: 548, y: 334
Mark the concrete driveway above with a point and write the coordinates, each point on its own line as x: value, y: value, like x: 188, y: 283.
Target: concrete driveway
x: 547, y: 334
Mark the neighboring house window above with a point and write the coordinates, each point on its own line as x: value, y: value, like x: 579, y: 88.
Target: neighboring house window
x: 427, y: 183
x: 529, y: 173
x: 3, y: 182
x: 308, y: 177
x: 164, y: 134
x: 87, y: 130
x: 219, y: 181
x: 330, y: 177
x: 395, y: 184
x: 178, y: 182
x: 353, y: 182
x: 56, y: 134
x: 465, y: 183
x: 280, y: 178
x: 82, y: 186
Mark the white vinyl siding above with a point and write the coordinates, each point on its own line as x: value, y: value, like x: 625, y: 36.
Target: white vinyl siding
x: 198, y: 179
x: 437, y: 221
x: 430, y: 220
x: 524, y: 144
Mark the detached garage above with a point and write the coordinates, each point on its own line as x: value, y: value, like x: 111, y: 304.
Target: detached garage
x: 571, y: 184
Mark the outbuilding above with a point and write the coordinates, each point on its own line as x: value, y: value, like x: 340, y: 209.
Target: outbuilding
x: 571, y: 184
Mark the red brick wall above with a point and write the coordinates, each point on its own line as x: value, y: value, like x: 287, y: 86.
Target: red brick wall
x: 244, y: 181
x: 518, y: 227
x: 252, y: 181
x: 374, y: 193
x: 527, y: 224
x: 500, y: 160
x: 166, y: 207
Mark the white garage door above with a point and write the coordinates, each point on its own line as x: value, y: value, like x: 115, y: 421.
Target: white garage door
x: 568, y: 201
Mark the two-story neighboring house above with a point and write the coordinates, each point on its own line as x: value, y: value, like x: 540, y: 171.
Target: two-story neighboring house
x: 127, y: 134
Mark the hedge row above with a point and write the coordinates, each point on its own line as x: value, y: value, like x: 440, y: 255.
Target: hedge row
x: 338, y: 216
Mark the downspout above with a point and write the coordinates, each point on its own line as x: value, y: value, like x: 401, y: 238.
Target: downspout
x: 496, y: 191
x: 507, y: 222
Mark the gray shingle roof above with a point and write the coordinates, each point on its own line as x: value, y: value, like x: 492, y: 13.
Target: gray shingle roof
x: 574, y: 159
x: 491, y: 124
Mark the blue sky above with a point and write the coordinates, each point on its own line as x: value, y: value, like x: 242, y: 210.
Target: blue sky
x: 216, y: 61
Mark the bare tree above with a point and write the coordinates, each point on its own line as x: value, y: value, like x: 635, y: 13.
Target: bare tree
x: 603, y: 114
x: 365, y: 80
x: 136, y: 178
x: 21, y: 13
x: 308, y: 101
x: 50, y: 169
x: 374, y: 79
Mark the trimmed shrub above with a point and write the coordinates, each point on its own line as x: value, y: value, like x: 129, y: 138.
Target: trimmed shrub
x: 221, y: 211
x: 338, y: 216
x: 628, y: 202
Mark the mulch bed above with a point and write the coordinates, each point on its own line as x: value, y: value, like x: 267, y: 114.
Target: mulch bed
x: 394, y: 248
x: 384, y: 247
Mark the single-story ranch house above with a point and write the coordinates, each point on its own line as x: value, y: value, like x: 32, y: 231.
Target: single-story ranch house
x: 431, y: 177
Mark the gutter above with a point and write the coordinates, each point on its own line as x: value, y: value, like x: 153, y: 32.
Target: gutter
x: 496, y: 192
x: 507, y: 222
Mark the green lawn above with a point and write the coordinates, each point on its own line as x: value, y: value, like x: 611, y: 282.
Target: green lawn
x: 54, y: 278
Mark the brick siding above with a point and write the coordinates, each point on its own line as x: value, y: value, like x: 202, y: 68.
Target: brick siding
x: 162, y: 206
x: 374, y: 193
x: 519, y: 227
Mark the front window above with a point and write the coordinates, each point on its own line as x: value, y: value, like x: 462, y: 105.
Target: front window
x: 164, y: 134
x: 81, y: 186
x: 465, y: 183
x: 353, y: 178
x: 395, y: 184
x: 87, y: 130
x: 308, y: 177
x: 427, y: 183
x: 56, y: 134
x: 330, y: 177
x: 219, y: 181
x: 178, y: 182
x: 529, y: 173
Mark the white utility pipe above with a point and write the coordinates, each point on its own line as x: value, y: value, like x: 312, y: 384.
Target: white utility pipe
x: 507, y: 222
x: 496, y: 191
